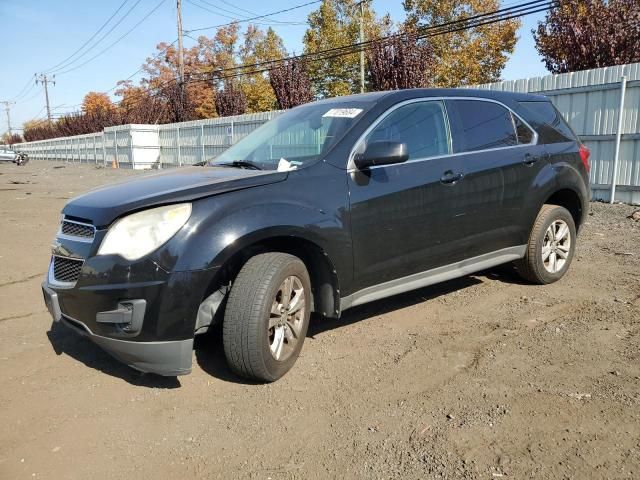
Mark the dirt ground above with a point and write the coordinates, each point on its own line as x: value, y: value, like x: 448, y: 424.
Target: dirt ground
x: 482, y: 377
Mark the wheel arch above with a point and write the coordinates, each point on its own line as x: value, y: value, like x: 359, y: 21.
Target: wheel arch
x: 570, y: 199
x: 324, y: 277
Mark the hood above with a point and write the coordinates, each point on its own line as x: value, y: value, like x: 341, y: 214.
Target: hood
x: 104, y: 204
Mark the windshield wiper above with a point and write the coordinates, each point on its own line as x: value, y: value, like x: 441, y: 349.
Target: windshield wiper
x: 240, y: 164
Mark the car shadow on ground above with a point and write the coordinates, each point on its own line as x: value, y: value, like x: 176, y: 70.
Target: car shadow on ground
x: 209, y: 351
x: 210, y: 357
x: 65, y: 341
x: 390, y: 304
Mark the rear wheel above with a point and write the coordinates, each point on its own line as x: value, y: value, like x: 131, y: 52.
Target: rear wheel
x: 267, y: 316
x: 551, y: 246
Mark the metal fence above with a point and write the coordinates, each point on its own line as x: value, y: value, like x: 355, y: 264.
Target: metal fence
x: 603, y: 107
x: 590, y: 100
x: 187, y: 143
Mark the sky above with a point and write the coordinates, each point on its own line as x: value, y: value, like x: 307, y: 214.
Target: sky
x: 39, y: 35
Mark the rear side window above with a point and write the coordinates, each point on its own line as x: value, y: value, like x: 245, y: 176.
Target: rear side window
x: 552, y: 127
x: 422, y: 126
x: 479, y: 125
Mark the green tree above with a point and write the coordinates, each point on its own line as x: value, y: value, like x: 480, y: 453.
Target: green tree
x: 259, y: 46
x: 466, y: 57
x: 335, y: 24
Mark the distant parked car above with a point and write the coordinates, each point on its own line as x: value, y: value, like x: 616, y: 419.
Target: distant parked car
x: 333, y: 204
x: 7, y: 154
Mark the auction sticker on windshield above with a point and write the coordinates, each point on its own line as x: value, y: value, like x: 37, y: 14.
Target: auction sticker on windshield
x: 343, y: 112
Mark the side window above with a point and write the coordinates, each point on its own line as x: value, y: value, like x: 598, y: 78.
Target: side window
x: 479, y: 125
x: 524, y: 133
x: 554, y: 128
x: 421, y: 125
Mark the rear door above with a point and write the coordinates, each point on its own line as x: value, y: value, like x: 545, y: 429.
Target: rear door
x: 501, y: 160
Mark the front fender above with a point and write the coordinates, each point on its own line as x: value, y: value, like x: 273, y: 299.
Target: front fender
x: 223, y: 225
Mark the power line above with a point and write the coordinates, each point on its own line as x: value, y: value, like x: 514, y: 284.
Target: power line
x: 25, y: 90
x: 92, y: 36
x: 116, y: 42
x: 68, y: 64
x: 461, y: 24
x: 256, y: 18
x: 236, y: 16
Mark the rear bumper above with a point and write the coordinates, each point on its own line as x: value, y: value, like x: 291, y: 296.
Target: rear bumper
x: 168, y: 358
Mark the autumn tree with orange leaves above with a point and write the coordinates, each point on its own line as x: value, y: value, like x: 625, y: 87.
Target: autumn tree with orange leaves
x: 95, y: 103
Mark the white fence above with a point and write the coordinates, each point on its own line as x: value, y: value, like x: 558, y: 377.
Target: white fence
x: 590, y: 100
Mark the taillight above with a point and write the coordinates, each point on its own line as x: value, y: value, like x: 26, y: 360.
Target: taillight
x: 584, y: 156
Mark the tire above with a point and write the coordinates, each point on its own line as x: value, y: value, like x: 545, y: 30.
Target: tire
x: 260, y: 343
x: 558, y: 252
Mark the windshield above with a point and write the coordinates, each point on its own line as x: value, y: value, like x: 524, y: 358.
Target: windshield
x: 297, y: 137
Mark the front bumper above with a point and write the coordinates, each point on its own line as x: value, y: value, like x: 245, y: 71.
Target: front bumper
x: 167, y: 358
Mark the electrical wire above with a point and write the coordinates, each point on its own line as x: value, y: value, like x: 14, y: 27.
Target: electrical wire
x: 238, y: 15
x: 91, y: 38
x: 255, y: 18
x: 116, y: 42
x: 25, y: 90
x: 66, y: 65
x: 495, y: 16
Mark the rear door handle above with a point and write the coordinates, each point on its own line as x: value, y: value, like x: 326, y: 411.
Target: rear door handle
x: 449, y: 178
x: 530, y: 159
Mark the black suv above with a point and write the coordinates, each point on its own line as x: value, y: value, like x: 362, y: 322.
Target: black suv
x: 330, y: 205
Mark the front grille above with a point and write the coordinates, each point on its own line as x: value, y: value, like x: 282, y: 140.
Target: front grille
x: 77, y: 229
x: 66, y: 269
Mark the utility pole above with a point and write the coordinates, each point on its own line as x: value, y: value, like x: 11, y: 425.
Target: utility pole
x: 362, y: 46
x: 180, y: 59
x: 7, y: 108
x: 180, y: 48
x: 42, y: 78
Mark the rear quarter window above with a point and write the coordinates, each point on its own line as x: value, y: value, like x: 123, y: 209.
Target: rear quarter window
x: 551, y: 127
x: 479, y: 125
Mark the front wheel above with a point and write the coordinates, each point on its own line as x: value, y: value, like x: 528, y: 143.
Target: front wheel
x: 267, y: 316
x: 551, y: 246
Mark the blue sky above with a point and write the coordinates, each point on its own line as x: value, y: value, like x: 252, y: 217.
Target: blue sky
x: 37, y: 35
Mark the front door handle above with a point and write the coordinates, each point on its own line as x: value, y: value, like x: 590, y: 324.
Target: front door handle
x: 530, y: 159
x: 449, y: 178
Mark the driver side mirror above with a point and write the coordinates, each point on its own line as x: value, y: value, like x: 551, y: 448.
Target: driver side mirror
x: 382, y: 153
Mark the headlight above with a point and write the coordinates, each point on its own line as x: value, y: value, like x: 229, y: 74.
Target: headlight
x: 141, y: 233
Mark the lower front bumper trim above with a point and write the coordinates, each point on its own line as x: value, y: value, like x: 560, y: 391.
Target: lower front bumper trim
x: 169, y: 358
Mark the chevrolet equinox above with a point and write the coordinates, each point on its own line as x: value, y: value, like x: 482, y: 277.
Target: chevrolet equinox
x: 330, y: 205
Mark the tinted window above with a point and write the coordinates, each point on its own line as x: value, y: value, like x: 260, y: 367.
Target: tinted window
x: 525, y: 135
x: 554, y: 128
x: 421, y: 125
x: 478, y: 125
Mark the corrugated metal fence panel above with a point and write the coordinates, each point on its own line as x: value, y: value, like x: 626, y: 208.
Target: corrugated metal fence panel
x: 187, y: 143
x: 590, y: 101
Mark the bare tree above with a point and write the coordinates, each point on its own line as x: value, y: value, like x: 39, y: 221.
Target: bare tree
x: 230, y: 100
x: 291, y: 83
x: 584, y: 34
x: 402, y: 61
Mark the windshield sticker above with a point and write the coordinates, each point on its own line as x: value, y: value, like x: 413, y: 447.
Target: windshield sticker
x: 343, y: 112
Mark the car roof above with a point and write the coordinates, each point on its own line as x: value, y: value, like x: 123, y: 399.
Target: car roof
x: 400, y: 95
